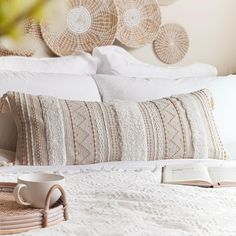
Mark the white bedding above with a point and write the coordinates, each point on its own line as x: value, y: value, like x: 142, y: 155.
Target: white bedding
x: 127, y: 198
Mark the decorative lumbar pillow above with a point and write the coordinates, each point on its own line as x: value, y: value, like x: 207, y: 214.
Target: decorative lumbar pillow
x: 60, y: 132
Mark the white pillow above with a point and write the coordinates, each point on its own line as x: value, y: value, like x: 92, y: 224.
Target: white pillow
x: 222, y: 88
x: 65, y: 86
x: 71, y: 87
x: 115, y: 60
x: 113, y: 87
x: 81, y: 65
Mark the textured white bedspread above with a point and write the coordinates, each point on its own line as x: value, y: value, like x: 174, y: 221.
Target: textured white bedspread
x: 129, y: 200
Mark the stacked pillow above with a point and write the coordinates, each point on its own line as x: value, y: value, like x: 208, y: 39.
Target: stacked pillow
x: 73, y: 78
x: 65, y: 77
x: 114, y: 60
x: 125, y: 78
x: 83, y: 64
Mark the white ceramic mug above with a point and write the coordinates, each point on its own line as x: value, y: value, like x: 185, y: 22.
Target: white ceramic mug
x: 32, y: 189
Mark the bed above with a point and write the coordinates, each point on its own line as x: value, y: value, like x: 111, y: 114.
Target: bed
x: 128, y: 199
x: 125, y: 197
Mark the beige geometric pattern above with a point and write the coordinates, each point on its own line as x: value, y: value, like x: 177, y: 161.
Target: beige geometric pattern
x: 83, y: 134
x: 169, y: 128
x: 174, y: 133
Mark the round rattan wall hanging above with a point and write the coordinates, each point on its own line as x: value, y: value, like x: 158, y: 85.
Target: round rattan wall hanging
x: 139, y: 22
x: 27, y: 45
x: 85, y: 24
x: 171, y: 44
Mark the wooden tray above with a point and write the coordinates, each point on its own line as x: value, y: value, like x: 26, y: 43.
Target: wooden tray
x: 18, y: 219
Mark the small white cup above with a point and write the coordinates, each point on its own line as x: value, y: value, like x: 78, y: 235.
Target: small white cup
x: 32, y: 189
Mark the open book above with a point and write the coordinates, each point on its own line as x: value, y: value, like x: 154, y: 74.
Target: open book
x: 199, y: 175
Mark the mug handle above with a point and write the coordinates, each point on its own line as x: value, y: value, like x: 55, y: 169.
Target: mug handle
x: 16, y: 194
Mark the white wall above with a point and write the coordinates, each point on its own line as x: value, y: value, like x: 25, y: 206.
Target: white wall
x: 211, y: 25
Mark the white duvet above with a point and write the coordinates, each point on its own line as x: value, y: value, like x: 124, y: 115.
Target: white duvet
x: 128, y: 199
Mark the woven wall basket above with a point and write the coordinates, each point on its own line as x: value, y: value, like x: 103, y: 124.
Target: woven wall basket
x: 171, y: 44
x: 27, y: 45
x: 139, y: 21
x: 84, y: 25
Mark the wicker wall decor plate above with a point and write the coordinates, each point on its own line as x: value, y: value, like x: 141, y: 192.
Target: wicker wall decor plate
x: 171, y: 44
x: 84, y: 25
x: 18, y: 219
x: 27, y: 45
x: 139, y: 22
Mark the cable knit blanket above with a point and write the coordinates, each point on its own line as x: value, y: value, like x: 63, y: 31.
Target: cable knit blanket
x: 134, y: 203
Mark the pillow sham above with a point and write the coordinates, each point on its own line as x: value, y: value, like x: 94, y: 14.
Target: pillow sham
x: 62, y: 132
x: 65, y: 86
x: 113, y: 87
x: 117, y: 61
x: 81, y: 65
x: 138, y: 90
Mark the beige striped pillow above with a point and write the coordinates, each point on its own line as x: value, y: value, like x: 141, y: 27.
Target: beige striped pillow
x: 61, y: 132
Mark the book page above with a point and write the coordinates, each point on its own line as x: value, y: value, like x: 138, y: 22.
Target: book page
x: 222, y: 174
x: 195, y: 173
